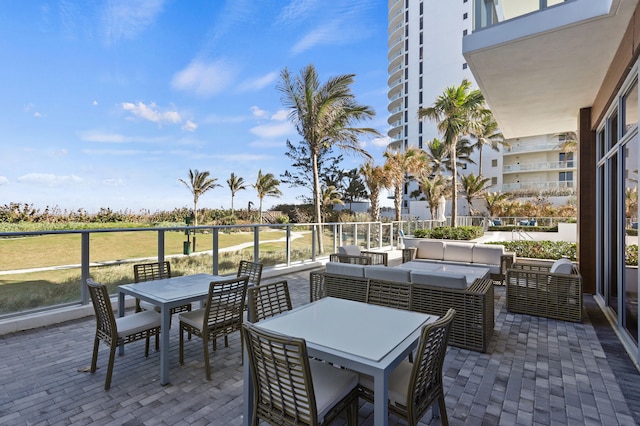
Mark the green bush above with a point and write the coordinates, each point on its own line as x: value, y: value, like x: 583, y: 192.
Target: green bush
x: 509, y: 228
x: 449, y: 233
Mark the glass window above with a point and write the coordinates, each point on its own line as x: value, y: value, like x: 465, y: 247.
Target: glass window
x: 612, y: 134
x: 494, y: 163
x: 494, y: 180
x: 630, y: 302
x: 630, y: 103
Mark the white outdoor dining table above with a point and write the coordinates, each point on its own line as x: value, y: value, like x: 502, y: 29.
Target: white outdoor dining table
x: 167, y: 293
x: 365, y: 338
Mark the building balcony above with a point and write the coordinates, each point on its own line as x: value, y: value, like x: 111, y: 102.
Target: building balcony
x: 524, y: 147
x: 549, y: 186
x: 534, y: 60
x: 537, y: 167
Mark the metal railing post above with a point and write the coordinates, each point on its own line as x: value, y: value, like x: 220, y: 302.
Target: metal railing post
x: 313, y: 242
x: 355, y: 234
x: 368, y: 235
x: 214, y: 254
x: 161, y: 246
x: 256, y: 243
x: 85, y: 259
x: 288, y: 246
x: 380, y: 234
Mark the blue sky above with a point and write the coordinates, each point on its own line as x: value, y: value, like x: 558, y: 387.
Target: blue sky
x: 107, y: 103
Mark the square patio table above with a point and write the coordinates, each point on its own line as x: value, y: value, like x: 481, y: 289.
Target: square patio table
x: 471, y: 272
x: 167, y: 293
x: 366, y: 338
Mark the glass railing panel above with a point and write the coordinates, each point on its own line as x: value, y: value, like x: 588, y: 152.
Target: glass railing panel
x: 491, y: 12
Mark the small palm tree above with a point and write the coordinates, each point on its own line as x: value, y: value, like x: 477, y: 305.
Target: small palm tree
x: 198, y: 184
x: 473, y: 187
x: 397, y: 166
x: 457, y: 112
x: 330, y: 197
x: 433, y: 187
x: 493, y: 201
x: 487, y: 134
x: 236, y: 183
x: 266, y: 186
x: 375, y: 178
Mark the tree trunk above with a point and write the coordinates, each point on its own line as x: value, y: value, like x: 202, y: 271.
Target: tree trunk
x: 454, y: 183
x: 317, y: 200
x: 375, y: 208
x: 397, y: 201
x: 480, y: 161
x: 232, y: 204
x: 260, y: 210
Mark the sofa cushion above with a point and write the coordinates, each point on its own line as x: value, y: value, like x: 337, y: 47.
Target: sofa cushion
x: 348, y: 269
x: 561, y: 266
x: 458, y: 252
x: 488, y: 254
x: 387, y: 274
x: 430, y: 249
x: 440, y: 279
x: 352, y: 250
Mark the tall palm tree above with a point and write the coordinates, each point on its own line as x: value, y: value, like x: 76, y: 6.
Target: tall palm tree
x: 325, y: 115
x: 198, y: 184
x: 397, y: 166
x: 266, y: 186
x: 375, y: 178
x: 457, y: 112
x: 473, y: 187
x: 439, y: 155
x: 487, y: 134
x: 236, y: 183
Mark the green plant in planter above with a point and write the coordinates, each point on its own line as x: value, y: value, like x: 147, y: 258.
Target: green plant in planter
x: 450, y: 233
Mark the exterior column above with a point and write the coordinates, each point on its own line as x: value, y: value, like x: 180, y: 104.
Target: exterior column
x: 586, y: 238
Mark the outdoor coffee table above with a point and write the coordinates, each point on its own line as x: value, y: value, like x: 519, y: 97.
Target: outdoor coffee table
x: 167, y: 293
x: 471, y: 272
x: 365, y: 338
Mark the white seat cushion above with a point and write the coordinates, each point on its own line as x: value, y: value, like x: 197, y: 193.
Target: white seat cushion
x: 398, y: 382
x: 193, y: 318
x: 352, y: 250
x: 330, y: 384
x: 348, y: 269
x: 388, y: 274
x: 488, y: 254
x: 561, y: 266
x: 458, y: 252
x: 137, y: 322
x: 433, y: 250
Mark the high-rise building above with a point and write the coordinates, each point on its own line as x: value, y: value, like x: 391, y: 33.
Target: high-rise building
x: 425, y: 56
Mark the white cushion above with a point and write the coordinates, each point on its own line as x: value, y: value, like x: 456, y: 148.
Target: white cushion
x: 193, y: 318
x: 398, y: 382
x: 458, y: 252
x: 430, y: 249
x: 330, y: 385
x: 388, y: 274
x: 348, y: 269
x: 349, y: 250
x: 440, y: 279
x: 488, y: 254
x: 137, y: 322
x: 562, y: 266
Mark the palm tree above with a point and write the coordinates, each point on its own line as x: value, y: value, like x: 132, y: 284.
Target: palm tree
x: 488, y: 134
x: 457, y: 112
x: 330, y: 197
x: 375, y: 178
x: 266, y: 186
x: 433, y: 187
x: 236, y: 183
x: 493, y: 200
x: 325, y: 115
x: 397, y: 166
x: 473, y: 187
x: 198, y: 184
x: 439, y: 155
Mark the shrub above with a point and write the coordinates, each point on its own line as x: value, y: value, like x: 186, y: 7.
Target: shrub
x: 450, y: 233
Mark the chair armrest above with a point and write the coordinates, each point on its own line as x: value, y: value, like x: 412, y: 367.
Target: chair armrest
x: 409, y: 254
x: 532, y: 265
x: 317, y: 289
x: 348, y: 258
x: 377, y: 258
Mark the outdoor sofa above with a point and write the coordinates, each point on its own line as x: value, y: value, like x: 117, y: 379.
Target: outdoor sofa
x: 430, y: 292
x: 492, y: 256
x: 353, y: 254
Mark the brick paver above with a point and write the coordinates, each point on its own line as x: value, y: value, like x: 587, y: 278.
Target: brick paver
x: 536, y: 371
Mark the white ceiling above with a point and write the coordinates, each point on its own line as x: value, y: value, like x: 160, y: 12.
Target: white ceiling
x: 537, y: 71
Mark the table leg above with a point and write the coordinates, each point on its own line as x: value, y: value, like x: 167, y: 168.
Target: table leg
x: 247, y: 404
x: 121, y: 314
x: 380, y: 399
x: 165, y: 326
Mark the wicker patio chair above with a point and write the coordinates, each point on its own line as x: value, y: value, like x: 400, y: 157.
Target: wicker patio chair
x: 292, y: 389
x: 222, y: 315
x: 251, y: 269
x: 118, y: 331
x: 154, y: 271
x: 353, y: 254
x: 267, y: 300
x: 414, y: 387
x: 551, y: 290
x: 392, y: 294
x: 322, y: 284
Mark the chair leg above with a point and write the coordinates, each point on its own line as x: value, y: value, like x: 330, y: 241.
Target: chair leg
x: 181, y: 356
x: 205, y: 346
x: 112, y: 356
x: 352, y: 413
x: 226, y: 341
x: 443, y: 411
x: 94, y: 358
x: 146, y: 347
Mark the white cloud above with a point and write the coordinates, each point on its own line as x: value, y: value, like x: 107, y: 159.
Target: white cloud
x: 204, y: 79
x: 296, y: 10
x: 94, y: 103
x: 280, y: 115
x: 125, y: 19
x: 268, y: 131
x: 49, y: 179
x: 258, y: 113
x: 381, y: 142
x: 152, y: 113
x: 113, y: 182
x: 3, y: 180
x: 189, y: 126
x: 259, y: 83
x: 328, y: 33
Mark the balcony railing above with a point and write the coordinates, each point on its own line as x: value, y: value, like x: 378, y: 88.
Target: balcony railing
x: 525, y: 147
x: 536, y: 167
x: 538, y: 186
x: 490, y: 12
x: 52, y: 272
